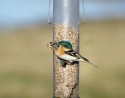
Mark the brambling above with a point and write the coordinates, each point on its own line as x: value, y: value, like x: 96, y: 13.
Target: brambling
x: 64, y: 51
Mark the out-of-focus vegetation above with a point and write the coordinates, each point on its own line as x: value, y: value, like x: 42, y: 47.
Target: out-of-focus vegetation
x: 26, y: 62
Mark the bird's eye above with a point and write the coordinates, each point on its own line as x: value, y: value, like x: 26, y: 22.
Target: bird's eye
x: 56, y: 45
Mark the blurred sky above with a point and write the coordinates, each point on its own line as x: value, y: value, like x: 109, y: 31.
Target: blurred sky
x: 18, y: 12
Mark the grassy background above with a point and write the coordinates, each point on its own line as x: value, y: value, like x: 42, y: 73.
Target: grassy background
x: 26, y: 62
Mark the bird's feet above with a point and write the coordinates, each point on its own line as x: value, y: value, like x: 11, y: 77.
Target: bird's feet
x: 64, y: 63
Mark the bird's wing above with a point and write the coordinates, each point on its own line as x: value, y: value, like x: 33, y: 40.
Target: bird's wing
x: 76, y: 54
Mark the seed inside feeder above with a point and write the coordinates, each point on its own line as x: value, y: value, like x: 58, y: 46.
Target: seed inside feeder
x: 66, y: 78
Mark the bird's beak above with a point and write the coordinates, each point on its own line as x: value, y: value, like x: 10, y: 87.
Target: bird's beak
x: 50, y: 45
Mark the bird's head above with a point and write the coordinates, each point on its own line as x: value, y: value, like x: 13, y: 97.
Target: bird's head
x: 65, y: 44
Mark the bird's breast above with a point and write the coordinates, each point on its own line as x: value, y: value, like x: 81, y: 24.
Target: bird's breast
x: 68, y: 57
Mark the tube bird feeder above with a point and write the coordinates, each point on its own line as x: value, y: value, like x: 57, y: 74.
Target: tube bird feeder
x: 66, y: 28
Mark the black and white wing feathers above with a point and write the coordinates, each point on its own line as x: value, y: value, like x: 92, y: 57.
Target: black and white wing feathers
x: 77, y: 55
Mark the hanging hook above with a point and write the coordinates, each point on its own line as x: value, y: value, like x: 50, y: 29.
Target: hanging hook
x: 49, y: 22
x: 83, y: 17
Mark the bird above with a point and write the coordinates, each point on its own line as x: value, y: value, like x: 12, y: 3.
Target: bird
x: 64, y: 51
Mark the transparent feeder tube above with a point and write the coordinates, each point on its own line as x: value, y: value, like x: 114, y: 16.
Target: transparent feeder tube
x: 66, y: 27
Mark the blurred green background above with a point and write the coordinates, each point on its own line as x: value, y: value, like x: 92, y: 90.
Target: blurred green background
x: 26, y: 63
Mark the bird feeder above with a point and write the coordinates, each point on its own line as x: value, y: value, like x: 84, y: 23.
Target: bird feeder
x: 66, y: 28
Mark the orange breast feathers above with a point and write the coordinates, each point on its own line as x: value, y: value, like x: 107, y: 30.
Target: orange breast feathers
x: 60, y: 51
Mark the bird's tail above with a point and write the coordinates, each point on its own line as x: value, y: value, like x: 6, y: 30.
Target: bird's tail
x: 92, y: 64
x: 86, y: 60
